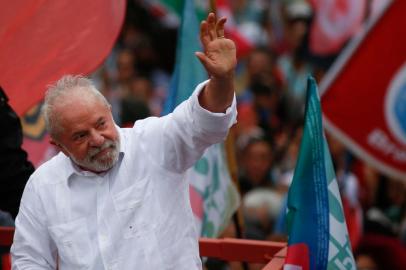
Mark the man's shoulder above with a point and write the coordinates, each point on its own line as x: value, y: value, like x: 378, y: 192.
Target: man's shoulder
x: 52, y: 171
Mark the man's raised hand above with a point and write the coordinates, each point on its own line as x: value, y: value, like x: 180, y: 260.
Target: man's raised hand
x: 219, y: 53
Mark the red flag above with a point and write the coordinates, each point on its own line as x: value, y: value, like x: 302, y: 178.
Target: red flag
x: 335, y: 22
x: 297, y: 257
x: 365, y: 94
x: 42, y: 40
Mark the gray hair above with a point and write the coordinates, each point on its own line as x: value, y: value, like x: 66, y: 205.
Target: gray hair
x: 58, y: 92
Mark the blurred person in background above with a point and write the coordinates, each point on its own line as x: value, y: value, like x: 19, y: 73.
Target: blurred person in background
x: 255, y: 165
x: 136, y: 105
x: 258, y: 67
x: 381, y: 239
x: 293, y: 63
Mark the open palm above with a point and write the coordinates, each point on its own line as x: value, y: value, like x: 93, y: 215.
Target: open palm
x: 219, y: 56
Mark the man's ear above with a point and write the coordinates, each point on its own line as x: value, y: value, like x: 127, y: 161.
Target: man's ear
x: 59, y: 146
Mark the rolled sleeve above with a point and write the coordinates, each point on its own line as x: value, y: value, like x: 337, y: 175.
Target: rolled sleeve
x: 177, y: 140
x: 210, y: 121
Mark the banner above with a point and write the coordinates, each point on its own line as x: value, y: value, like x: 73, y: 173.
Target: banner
x: 213, y: 196
x: 364, y: 93
x: 315, y: 218
x: 43, y: 40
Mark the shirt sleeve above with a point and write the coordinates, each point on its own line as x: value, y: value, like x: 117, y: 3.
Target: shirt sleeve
x: 32, y: 246
x: 178, y: 140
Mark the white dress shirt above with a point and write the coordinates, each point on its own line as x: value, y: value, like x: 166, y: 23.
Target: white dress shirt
x: 135, y: 216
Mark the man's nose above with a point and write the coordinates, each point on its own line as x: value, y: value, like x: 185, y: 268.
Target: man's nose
x: 96, y: 139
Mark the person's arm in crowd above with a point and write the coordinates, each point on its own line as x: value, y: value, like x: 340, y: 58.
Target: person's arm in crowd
x: 219, y: 59
x: 32, y: 247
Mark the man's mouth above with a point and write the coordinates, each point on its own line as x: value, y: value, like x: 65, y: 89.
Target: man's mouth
x: 102, y: 152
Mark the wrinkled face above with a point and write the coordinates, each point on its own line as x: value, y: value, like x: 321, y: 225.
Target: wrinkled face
x: 89, y: 136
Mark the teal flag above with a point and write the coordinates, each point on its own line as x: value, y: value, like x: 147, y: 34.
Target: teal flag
x: 315, y: 214
x: 188, y: 70
x: 214, y: 197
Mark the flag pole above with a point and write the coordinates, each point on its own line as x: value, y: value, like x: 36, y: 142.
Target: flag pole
x: 232, y: 166
x: 238, y: 220
x: 233, y: 170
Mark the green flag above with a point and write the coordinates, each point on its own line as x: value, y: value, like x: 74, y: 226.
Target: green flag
x: 315, y: 212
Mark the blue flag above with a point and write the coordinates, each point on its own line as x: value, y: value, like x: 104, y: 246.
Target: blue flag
x: 315, y: 217
x: 214, y: 197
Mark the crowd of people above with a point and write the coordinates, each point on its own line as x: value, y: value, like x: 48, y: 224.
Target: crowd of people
x: 271, y: 87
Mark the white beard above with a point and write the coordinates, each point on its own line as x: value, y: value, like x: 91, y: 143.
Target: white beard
x: 103, y: 163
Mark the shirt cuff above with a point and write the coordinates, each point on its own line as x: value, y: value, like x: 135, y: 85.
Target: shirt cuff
x: 211, y: 121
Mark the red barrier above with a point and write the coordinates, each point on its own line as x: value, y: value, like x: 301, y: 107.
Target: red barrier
x: 6, y: 236
x: 6, y: 239
x: 241, y: 250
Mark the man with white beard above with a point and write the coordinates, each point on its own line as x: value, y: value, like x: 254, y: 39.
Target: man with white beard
x: 117, y: 198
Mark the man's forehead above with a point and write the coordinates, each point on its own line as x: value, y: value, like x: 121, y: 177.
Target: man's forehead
x: 76, y: 108
x: 77, y: 97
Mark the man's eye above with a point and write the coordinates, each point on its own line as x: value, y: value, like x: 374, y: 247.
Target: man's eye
x: 79, y: 137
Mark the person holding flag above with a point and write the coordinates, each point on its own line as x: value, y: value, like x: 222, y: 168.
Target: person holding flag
x: 117, y: 198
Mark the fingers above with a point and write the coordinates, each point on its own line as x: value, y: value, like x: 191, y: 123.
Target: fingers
x: 211, y: 29
x: 220, y: 27
x: 211, y: 20
x: 204, y: 35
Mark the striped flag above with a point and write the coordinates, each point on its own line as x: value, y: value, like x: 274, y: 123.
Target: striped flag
x: 316, y: 222
x: 213, y: 196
